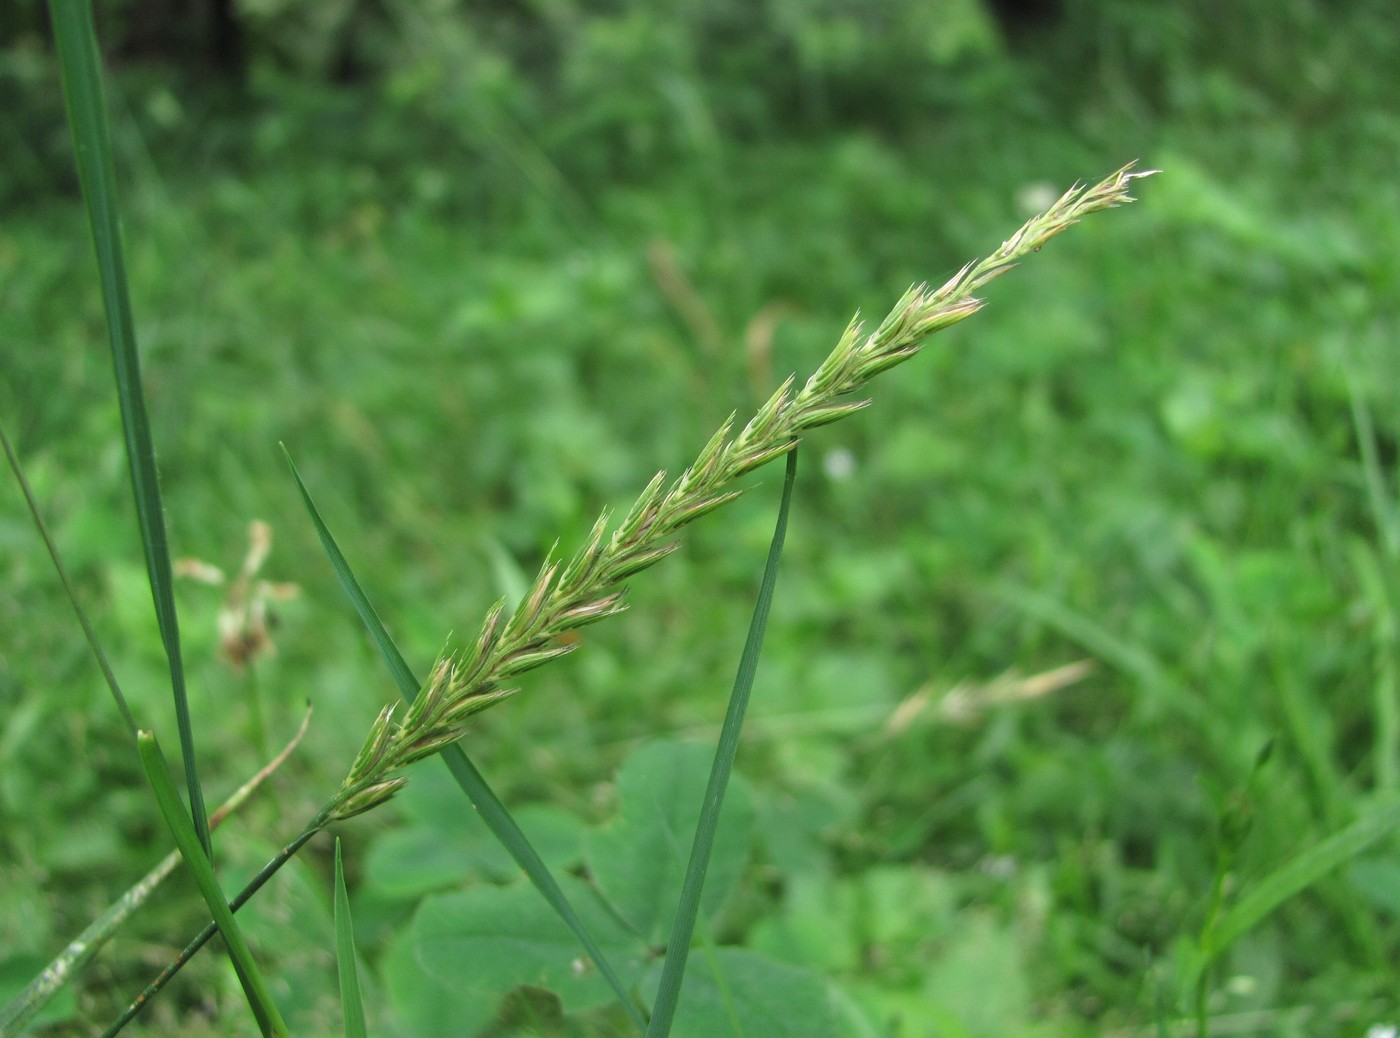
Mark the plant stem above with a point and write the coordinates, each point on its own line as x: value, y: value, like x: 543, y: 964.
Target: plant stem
x: 242, y: 898
x: 82, y: 949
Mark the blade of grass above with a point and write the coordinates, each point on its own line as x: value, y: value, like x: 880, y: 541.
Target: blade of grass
x: 494, y: 813
x: 351, y: 1004
x: 1375, y: 576
x: 683, y: 929
x: 1379, y: 572
x: 243, y: 897
x: 1291, y: 878
x: 68, y: 588
x: 83, y: 948
x: 399, y: 670
x: 1383, y: 509
x: 254, y: 987
x: 75, y: 37
x: 1304, y: 870
x: 1163, y: 691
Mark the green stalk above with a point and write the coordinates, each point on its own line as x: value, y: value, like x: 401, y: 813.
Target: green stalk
x: 351, y: 1003
x: 84, y: 948
x: 254, y: 986
x: 683, y: 928
x: 202, y: 938
x: 79, y: 66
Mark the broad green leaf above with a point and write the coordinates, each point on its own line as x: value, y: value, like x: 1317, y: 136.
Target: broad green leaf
x: 833, y: 923
x: 639, y: 860
x: 741, y: 993
x: 795, y: 825
x: 425, y: 1006
x: 978, y: 980
x: 428, y: 856
x: 487, y: 941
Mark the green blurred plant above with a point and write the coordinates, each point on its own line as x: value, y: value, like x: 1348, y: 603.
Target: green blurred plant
x: 565, y: 596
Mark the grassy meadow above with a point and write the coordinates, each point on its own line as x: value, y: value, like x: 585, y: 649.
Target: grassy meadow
x: 1085, y: 629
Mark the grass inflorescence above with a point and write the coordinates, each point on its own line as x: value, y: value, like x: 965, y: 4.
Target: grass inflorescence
x: 588, y: 588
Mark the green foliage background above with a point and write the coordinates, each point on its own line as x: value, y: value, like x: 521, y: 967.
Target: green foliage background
x: 485, y: 270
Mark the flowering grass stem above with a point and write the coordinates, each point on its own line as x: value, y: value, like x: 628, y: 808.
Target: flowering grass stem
x: 588, y: 587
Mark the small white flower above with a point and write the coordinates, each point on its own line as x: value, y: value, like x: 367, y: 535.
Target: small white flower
x: 1242, y: 985
x: 998, y: 866
x: 1035, y: 197
x: 839, y: 464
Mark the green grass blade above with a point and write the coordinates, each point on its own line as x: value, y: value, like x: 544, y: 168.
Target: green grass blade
x: 68, y: 589
x: 494, y: 813
x: 254, y: 987
x: 1303, y: 871
x: 75, y: 37
x: 351, y: 1003
x: 1378, y: 582
x: 1291, y: 878
x: 202, y: 938
x: 1163, y: 691
x: 683, y: 929
x: 1383, y: 509
x: 403, y: 677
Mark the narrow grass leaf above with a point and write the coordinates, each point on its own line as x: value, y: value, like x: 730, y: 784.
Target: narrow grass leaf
x: 678, y: 947
x: 1383, y: 508
x: 1377, y: 580
x: 1305, y: 870
x: 1379, y: 572
x: 254, y: 986
x: 1290, y: 879
x: 494, y: 813
x: 1163, y: 691
x: 75, y: 37
x: 68, y: 589
x: 243, y: 897
x: 403, y: 677
x: 84, y: 948
x: 351, y: 1003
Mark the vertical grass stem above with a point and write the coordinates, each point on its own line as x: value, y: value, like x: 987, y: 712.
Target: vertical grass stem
x: 75, y: 37
x: 683, y: 929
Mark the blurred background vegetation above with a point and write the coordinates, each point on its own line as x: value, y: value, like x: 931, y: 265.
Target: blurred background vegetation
x: 485, y: 267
